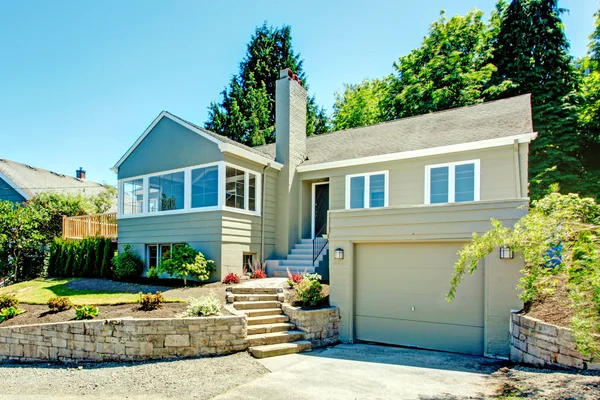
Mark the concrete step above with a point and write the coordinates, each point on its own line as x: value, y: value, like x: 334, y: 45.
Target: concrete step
x: 254, y: 297
x: 263, y: 312
x: 303, y: 256
x: 263, y: 339
x: 253, y: 305
x: 247, y: 290
x: 280, y: 349
x: 296, y: 263
x: 302, y: 251
x: 304, y: 246
x: 306, y: 241
x: 280, y: 272
x: 268, y: 319
x: 269, y: 328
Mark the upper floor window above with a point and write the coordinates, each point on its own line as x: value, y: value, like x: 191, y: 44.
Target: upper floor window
x: 452, y: 182
x: 240, y: 189
x: 367, y: 190
x: 205, y: 187
x: 133, y: 197
x: 166, y: 192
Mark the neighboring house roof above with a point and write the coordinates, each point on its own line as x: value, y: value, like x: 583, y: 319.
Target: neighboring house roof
x: 488, y: 121
x: 225, y: 144
x: 29, y: 181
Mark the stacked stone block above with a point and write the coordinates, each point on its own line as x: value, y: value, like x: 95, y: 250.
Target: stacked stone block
x: 321, y: 327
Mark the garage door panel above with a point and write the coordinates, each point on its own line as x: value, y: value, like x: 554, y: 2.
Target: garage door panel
x: 427, y: 308
x: 456, y: 338
x: 391, y: 278
x: 415, y: 281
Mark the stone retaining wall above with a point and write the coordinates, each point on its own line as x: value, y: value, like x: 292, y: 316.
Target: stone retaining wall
x: 321, y: 327
x: 544, y: 345
x: 124, y: 339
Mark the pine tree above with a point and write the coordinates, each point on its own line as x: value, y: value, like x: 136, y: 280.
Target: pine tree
x: 531, y: 56
x: 247, y: 111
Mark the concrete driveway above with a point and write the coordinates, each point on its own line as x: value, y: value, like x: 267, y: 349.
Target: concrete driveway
x: 362, y: 371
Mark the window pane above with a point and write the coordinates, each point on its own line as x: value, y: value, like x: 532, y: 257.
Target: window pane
x: 252, y: 192
x: 234, y: 188
x: 165, y: 251
x: 152, y: 256
x: 357, y: 192
x: 166, y: 192
x: 377, y: 191
x: 464, y: 182
x: 133, y: 197
x: 205, y: 187
x: 439, y: 185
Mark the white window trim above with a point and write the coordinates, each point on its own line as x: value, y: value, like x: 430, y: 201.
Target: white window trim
x: 451, y: 180
x: 187, y: 194
x: 367, y: 199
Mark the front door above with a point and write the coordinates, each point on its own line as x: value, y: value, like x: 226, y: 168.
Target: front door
x: 320, y: 208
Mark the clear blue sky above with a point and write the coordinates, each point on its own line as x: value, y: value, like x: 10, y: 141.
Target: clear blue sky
x: 81, y: 80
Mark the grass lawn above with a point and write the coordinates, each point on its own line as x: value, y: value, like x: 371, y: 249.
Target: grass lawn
x: 38, y: 291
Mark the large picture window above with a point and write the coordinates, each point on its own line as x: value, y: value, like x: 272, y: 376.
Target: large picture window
x: 166, y: 192
x: 133, y: 197
x: 205, y: 187
x: 367, y: 190
x: 452, y: 182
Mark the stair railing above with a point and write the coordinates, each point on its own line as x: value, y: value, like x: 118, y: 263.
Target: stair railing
x: 319, y: 243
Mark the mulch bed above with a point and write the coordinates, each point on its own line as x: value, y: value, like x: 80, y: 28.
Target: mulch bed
x: 37, y: 314
x: 554, y: 309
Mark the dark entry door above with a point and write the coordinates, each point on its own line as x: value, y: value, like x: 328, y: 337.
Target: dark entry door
x: 321, y: 208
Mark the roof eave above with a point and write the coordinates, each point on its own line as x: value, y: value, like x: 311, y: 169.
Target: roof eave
x: 455, y: 148
x: 13, y: 185
x: 237, y: 151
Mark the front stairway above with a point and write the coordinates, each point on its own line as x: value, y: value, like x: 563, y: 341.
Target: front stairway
x: 299, y: 261
x: 269, y: 331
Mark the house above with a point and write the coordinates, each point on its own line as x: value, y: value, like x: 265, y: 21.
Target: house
x: 381, y: 210
x: 20, y: 182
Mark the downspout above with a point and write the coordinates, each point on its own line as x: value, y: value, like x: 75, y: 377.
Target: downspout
x: 517, y: 158
x: 262, y: 214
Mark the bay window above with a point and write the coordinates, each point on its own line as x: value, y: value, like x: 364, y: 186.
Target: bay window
x: 367, y: 190
x: 205, y: 187
x: 240, y: 189
x: 452, y: 183
x: 133, y: 197
x: 166, y: 192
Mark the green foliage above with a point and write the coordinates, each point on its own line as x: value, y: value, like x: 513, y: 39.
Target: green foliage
x: 86, y: 312
x: 361, y: 104
x: 184, y: 261
x: 9, y: 312
x: 247, y: 111
x: 556, y: 220
x: 8, y: 300
x: 128, y: 265
x: 202, y: 306
x: 310, y: 292
x: 311, y: 277
x: 57, y: 304
x: 153, y: 273
x: 149, y: 301
x: 73, y: 258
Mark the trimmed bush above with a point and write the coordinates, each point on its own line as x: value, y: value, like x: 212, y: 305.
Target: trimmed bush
x: 86, y: 312
x: 127, y: 264
x: 149, y: 301
x: 203, y: 306
x: 72, y: 258
x: 310, y: 292
x: 8, y: 300
x: 57, y: 304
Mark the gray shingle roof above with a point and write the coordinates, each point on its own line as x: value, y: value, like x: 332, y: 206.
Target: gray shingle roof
x: 490, y: 120
x: 33, y: 180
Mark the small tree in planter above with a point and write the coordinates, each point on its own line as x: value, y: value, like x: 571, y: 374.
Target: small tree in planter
x: 184, y: 261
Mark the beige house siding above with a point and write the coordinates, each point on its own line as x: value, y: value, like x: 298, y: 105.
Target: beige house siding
x: 442, y: 223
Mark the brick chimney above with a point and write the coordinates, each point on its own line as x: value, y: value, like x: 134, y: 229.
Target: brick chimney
x: 80, y: 173
x: 290, y: 136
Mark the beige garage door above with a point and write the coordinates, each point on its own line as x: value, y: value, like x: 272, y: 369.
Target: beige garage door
x: 400, y: 298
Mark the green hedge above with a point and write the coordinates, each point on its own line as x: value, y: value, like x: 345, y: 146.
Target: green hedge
x: 89, y: 258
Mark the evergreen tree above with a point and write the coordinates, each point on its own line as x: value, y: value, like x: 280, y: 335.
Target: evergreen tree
x: 531, y: 56
x: 247, y: 111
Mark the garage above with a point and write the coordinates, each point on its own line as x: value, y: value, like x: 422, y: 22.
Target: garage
x: 400, y: 297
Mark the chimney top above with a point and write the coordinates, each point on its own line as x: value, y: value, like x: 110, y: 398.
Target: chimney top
x: 289, y: 74
x: 80, y: 173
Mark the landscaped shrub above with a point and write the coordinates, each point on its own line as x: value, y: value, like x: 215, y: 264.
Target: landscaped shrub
x: 257, y: 269
x: 8, y: 300
x: 149, y: 301
x: 73, y: 258
x: 310, y: 292
x: 293, y: 279
x: 86, y: 312
x: 184, y: 261
x: 202, y: 306
x: 231, y: 278
x: 311, y: 277
x: 128, y: 264
x: 10, y: 312
x: 56, y: 304
x: 153, y: 273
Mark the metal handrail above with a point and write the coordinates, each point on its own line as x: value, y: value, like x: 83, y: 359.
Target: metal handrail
x: 319, y: 243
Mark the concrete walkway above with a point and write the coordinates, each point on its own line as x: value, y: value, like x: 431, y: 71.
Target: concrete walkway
x: 363, y: 371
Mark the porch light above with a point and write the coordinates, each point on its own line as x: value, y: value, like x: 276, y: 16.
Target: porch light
x: 506, y: 253
x: 339, y: 254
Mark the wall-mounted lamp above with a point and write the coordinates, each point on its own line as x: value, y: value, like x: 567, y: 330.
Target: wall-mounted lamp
x: 339, y: 254
x: 506, y: 253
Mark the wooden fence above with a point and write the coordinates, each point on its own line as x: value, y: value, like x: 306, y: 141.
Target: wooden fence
x: 98, y: 225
